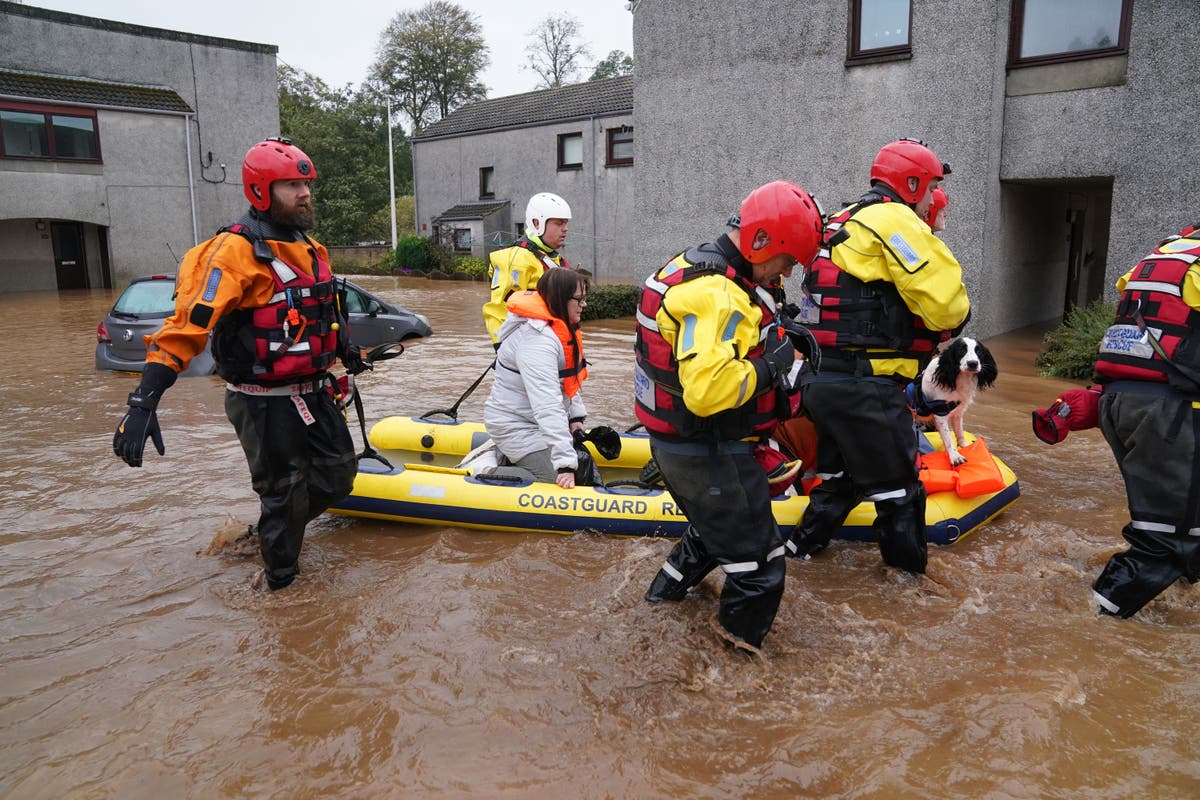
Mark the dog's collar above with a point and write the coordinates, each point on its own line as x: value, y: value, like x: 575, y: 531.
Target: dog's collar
x: 925, y: 407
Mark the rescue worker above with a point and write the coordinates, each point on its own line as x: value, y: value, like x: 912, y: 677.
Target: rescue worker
x: 264, y: 290
x: 714, y: 372
x: 883, y: 293
x: 935, y: 217
x: 535, y: 410
x: 518, y: 268
x: 1149, y: 412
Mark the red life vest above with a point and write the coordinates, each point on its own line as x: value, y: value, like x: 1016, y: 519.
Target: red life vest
x: 293, y: 335
x: 659, y: 394
x: 530, y: 304
x: 845, y: 312
x: 1151, y: 304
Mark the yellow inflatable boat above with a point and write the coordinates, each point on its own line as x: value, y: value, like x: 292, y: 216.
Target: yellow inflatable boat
x: 418, y: 489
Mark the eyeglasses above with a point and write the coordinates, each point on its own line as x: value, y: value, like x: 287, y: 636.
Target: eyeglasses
x: 582, y: 300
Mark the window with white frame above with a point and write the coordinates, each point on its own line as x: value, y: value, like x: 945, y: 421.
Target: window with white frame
x: 462, y: 238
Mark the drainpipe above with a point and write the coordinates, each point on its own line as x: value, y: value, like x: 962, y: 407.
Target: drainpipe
x: 412, y: 154
x: 595, y: 266
x: 187, y: 138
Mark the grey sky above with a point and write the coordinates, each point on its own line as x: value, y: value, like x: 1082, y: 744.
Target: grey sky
x: 335, y: 39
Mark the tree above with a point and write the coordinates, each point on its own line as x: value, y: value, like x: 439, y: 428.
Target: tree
x: 555, y: 52
x: 428, y: 61
x: 615, y: 64
x: 345, y: 134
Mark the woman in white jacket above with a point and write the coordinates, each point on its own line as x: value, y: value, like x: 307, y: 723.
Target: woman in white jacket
x: 535, y: 406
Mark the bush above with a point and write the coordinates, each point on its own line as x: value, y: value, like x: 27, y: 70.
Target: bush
x: 611, y: 301
x: 1070, y: 350
x: 412, y: 253
x: 475, y: 268
x: 440, y: 257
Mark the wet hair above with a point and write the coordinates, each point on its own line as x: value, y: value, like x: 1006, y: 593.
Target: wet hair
x: 557, y: 286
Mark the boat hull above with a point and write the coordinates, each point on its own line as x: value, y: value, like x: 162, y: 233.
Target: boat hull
x: 427, y: 494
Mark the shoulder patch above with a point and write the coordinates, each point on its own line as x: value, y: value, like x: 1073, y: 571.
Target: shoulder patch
x: 904, y: 249
x: 210, y: 288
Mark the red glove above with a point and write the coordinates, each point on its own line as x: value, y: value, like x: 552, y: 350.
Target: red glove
x: 780, y: 471
x: 1076, y: 410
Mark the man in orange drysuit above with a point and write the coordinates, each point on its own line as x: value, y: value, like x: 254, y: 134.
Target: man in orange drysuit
x: 265, y: 292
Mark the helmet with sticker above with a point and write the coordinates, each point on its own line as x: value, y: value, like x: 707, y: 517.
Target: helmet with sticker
x: 273, y: 159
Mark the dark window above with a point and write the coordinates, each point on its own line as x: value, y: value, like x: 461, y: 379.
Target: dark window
x: 520, y: 229
x: 880, y: 28
x: 570, y: 151
x: 28, y: 130
x: 486, y: 188
x: 1052, y: 31
x: 620, y: 145
x: 462, y: 238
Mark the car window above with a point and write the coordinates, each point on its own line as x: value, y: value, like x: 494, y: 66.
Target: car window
x: 147, y: 297
x: 356, y: 301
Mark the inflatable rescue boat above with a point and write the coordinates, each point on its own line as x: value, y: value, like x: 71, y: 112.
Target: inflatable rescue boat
x: 420, y: 485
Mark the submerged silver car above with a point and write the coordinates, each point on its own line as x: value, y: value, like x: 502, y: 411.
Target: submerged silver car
x: 142, y: 307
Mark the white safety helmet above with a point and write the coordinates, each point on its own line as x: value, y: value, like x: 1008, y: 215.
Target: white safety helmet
x: 543, y: 206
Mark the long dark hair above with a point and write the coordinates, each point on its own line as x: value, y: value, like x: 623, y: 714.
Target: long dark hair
x: 557, y: 286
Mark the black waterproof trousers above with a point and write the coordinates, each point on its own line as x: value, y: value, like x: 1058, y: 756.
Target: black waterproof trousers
x: 1156, y: 440
x: 866, y: 450
x: 724, y: 494
x: 301, y: 460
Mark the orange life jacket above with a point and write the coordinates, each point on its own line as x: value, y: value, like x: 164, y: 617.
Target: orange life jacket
x: 530, y: 304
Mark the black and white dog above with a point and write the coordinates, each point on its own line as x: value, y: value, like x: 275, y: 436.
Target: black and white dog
x: 949, y: 385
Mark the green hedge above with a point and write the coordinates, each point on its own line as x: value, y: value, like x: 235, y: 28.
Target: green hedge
x: 411, y: 254
x: 611, y: 301
x: 1070, y: 350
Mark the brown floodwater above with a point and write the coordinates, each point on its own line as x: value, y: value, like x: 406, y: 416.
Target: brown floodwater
x: 137, y: 661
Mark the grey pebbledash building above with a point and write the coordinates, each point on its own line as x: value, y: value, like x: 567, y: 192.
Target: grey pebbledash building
x: 475, y: 169
x: 1069, y: 125
x: 120, y: 145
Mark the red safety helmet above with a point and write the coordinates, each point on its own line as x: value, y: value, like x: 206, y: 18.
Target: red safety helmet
x: 791, y: 218
x: 902, y: 159
x: 273, y: 159
x: 940, y: 201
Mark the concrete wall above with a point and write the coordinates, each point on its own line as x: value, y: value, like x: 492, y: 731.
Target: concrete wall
x: 525, y: 162
x: 772, y: 97
x: 142, y: 192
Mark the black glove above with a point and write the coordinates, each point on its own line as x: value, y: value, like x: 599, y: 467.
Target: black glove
x: 606, y: 440
x: 779, y: 356
x: 138, y: 425
x: 578, y: 436
x: 805, y: 342
x: 140, y: 421
x: 353, y: 361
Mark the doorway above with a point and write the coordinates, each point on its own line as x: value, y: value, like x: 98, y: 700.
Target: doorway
x: 1055, y: 247
x: 70, y: 258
